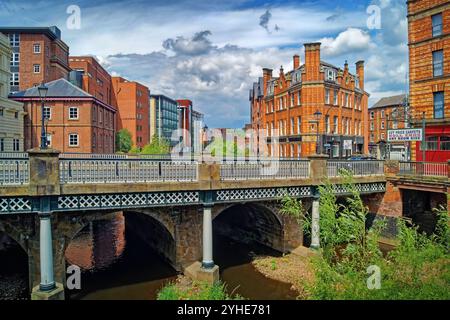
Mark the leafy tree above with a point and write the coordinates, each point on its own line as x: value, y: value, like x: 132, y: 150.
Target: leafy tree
x: 156, y: 146
x: 123, y: 141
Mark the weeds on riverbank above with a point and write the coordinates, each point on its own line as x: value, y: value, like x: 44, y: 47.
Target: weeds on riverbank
x: 352, y: 266
x: 196, y: 291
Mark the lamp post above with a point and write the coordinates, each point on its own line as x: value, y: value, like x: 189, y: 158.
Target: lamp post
x: 43, y: 90
x: 318, y: 115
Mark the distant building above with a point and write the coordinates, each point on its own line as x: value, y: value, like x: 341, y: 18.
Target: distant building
x: 39, y: 55
x: 88, y: 74
x: 429, y: 74
x: 290, y: 102
x: 197, y: 131
x: 11, y: 112
x: 76, y: 121
x: 133, y: 109
x: 185, y: 120
x: 163, y: 117
x: 388, y: 113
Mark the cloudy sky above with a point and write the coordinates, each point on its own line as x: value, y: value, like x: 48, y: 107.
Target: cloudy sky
x: 211, y: 51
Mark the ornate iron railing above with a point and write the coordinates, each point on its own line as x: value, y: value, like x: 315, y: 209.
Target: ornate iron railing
x: 357, y: 168
x: 14, y: 171
x: 265, y: 169
x: 427, y: 169
x: 79, y: 171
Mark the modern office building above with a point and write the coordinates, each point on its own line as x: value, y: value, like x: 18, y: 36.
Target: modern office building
x: 429, y: 77
x: 316, y: 107
x: 11, y: 112
x: 133, y: 109
x: 39, y: 55
x: 163, y: 117
x: 388, y: 113
x: 75, y: 120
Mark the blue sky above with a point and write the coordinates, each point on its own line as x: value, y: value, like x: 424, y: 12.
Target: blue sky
x: 211, y: 51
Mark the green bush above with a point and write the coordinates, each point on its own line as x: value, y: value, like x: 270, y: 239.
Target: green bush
x: 197, y: 291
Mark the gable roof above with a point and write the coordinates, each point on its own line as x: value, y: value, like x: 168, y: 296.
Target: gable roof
x: 390, y: 101
x: 56, y: 89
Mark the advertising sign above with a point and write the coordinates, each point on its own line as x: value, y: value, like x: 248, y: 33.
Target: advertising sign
x: 405, y: 135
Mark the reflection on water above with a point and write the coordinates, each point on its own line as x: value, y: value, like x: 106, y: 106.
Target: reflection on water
x: 115, y: 264
x: 241, y: 277
x: 13, y: 270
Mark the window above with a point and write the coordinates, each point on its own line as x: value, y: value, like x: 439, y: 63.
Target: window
x: 47, y: 113
x: 14, y: 39
x: 73, y: 113
x: 49, y: 140
x: 372, y: 126
x: 431, y: 143
x: 280, y: 103
x: 16, y: 115
x: 331, y: 75
x: 2, y: 144
x: 292, y: 125
x: 335, y: 125
x: 436, y: 22
x: 299, y: 125
x: 335, y: 102
x: 15, y: 59
x: 14, y: 79
x: 445, y: 143
x: 438, y: 63
x: 438, y: 105
x: 327, y: 96
x: 327, y: 124
x: 372, y: 115
x: 382, y: 114
x: 73, y: 140
x: 299, y: 98
x: 382, y: 136
x: 292, y: 100
x: 382, y: 124
x: 346, y: 100
x: 37, y: 68
x: 372, y: 137
x: 37, y: 48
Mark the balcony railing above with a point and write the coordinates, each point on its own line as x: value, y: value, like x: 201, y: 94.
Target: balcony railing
x: 357, y: 168
x: 85, y: 171
x: 264, y: 169
x: 14, y: 169
x: 424, y: 169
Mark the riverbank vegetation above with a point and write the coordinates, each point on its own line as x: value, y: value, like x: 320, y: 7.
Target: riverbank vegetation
x: 352, y: 266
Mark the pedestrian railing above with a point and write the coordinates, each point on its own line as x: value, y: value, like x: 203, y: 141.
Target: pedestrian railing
x: 425, y: 169
x: 265, y: 170
x: 355, y: 167
x: 14, y: 170
x: 84, y: 171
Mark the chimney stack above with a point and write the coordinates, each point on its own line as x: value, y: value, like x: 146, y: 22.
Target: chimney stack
x: 360, y: 73
x: 267, y: 75
x: 296, y: 61
x: 312, y: 61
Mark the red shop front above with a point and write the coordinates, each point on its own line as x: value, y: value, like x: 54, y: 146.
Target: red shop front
x: 437, y: 141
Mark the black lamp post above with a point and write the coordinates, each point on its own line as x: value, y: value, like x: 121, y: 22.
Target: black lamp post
x: 318, y: 115
x: 43, y: 90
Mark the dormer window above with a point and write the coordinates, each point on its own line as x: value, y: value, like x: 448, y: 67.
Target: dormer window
x: 331, y: 75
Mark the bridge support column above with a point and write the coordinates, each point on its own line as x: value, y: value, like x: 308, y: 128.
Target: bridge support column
x: 207, y: 262
x: 48, y: 289
x: 315, y: 225
x: 206, y: 270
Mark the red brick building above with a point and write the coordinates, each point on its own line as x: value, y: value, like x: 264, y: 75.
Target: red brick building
x: 76, y: 121
x: 288, y: 103
x: 388, y: 113
x: 185, y: 118
x: 94, y: 79
x: 133, y: 109
x: 429, y: 50
x: 39, y: 55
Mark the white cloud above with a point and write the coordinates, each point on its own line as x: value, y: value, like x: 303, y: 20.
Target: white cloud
x: 350, y: 40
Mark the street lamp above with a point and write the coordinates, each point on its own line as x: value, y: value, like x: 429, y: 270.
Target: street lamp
x: 43, y: 90
x: 318, y: 115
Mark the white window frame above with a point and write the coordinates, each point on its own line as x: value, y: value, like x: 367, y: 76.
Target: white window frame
x: 77, y: 139
x: 14, y: 39
x: 49, y: 112
x: 15, y: 79
x: 77, y: 113
x: 34, y: 68
x: 15, y: 59
x: 37, y: 45
x: 49, y: 139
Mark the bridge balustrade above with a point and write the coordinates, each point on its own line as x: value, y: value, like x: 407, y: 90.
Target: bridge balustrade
x: 424, y: 169
x: 14, y: 169
x: 357, y: 168
x: 80, y: 171
x: 265, y: 169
